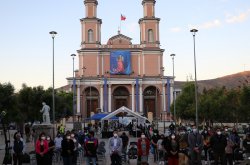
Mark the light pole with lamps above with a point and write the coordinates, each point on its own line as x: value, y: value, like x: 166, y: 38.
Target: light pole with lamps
x: 193, y: 31
x: 53, y: 34
x: 73, y: 103
x: 173, y: 55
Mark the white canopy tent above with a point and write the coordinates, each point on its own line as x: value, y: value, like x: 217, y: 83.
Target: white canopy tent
x: 140, y: 118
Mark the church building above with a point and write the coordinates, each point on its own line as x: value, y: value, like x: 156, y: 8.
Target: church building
x: 121, y: 73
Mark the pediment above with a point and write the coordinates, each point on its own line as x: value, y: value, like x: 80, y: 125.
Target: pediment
x: 119, y: 39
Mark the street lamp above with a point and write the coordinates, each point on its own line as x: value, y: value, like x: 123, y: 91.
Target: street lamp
x: 73, y: 105
x: 53, y: 34
x: 173, y: 55
x: 193, y: 31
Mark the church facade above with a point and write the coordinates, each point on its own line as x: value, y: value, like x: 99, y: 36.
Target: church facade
x: 120, y: 73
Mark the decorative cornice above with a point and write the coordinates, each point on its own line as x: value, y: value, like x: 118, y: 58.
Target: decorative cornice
x: 91, y: 1
x: 148, y: 1
x: 149, y: 19
x: 120, y: 36
x: 87, y: 19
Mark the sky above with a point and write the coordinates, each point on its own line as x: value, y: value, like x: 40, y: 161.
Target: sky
x: 222, y: 42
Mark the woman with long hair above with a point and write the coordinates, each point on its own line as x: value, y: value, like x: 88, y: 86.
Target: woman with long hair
x: 50, y: 150
x: 18, y: 148
x: 143, y: 146
x: 41, y: 149
x: 173, y: 151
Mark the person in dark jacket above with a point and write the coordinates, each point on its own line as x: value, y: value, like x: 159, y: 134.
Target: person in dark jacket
x: 27, y: 132
x: 246, y: 144
x: 67, y: 149
x: 154, y: 141
x: 195, y: 145
x: 173, y: 151
x: 125, y: 140
x: 206, y: 142
x: 90, y: 147
x: 172, y: 128
x: 247, y: 130
x: 234, y: 136
x: 18, y: 149
x: 50, y: 150
x: 75, y: 140
x: 218, y: 144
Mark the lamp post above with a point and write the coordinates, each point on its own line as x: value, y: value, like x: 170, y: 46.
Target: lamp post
x: 73, y: 103
x: 173, y: 55
x: 193, y: 31
x: 53, y: 34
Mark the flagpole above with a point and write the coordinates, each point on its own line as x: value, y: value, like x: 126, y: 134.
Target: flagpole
x: 123, y: 18
x: 120, y: 24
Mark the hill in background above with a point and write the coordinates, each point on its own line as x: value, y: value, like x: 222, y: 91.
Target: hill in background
x: 230, y: 81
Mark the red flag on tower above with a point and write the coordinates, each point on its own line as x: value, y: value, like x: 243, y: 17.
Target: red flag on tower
x: 123, y: 17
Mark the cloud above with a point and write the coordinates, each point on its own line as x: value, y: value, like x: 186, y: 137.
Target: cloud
x: 207, y: 25
x: 238, y: 18
x: 211, y: 24
x: 175, y: 29
x: 241, y: 17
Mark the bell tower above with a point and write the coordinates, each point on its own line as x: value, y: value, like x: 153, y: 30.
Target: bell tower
x: 91, y: 25
x: 149, y: 25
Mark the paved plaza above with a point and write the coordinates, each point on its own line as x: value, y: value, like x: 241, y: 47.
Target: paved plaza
x: 30, y: 147
x: 81, y: 160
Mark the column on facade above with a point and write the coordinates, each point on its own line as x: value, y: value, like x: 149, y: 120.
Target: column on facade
x: 171, y: 93
x: 109, y: 93
x: 133, y: 97
x: 164, y: 96
x: 141, y: 99
x: 101, y: 98
x: 78, y: 100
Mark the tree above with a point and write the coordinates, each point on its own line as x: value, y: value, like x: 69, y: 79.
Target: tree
x: 214, y: 105
x: 64, y: 105
x: 30, y: 102
x: 8, y: 101
x: 244, y: 103
x: 232, y: 106
x: 185, y: 103
x: 25, y: 105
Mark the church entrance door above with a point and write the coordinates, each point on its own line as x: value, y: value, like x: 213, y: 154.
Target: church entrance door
x: 121, y: 96
x: 149, y: 106
x: 120, y: 102
x: 92, y: 106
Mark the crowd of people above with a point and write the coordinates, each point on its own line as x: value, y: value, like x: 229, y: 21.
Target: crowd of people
x: 191, y: 146
x: 178, y: 146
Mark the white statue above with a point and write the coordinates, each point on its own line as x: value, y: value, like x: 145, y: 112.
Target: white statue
x: 45, y: 111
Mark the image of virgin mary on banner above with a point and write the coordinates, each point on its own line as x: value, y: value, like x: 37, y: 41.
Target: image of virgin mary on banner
x: 120, y: 62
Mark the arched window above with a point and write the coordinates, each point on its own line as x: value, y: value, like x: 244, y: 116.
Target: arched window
x: 150, y: 35
x: 90, y: 35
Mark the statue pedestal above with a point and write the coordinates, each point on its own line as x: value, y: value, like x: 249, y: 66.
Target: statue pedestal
x: 46, y: 128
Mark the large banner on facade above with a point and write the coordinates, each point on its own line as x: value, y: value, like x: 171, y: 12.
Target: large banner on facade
x: 120, y: 62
